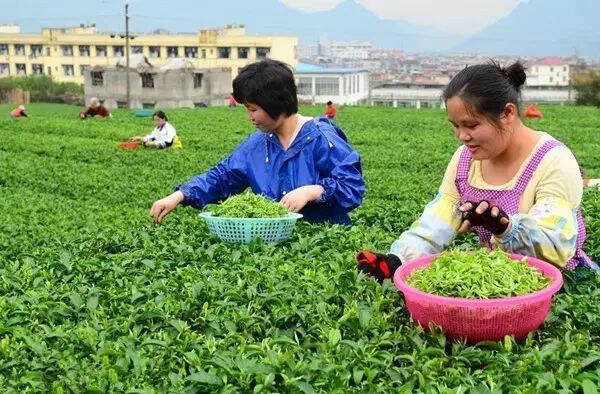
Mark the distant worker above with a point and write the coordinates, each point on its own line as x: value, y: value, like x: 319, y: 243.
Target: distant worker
x: 330, y: 110
x: 18, y: 112
x: 163, y: 135
x: 95, y: 110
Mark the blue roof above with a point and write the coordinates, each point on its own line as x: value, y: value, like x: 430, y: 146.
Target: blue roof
x: 304, y: 68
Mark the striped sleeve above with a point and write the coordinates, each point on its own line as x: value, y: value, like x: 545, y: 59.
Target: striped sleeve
x: 435, y: 229
x: 548, y: 231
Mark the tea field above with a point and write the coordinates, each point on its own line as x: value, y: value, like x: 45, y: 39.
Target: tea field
x: 95, y: 298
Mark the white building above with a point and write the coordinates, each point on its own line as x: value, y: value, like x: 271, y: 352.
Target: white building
x: 409, y: 95
x: 317, y: 85
x: 549, y: 71
x: 357, y: 50
x: 351, y: 50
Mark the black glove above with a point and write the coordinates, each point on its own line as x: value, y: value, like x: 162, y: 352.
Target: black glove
x: 379, y: 266
x: 494, y: 224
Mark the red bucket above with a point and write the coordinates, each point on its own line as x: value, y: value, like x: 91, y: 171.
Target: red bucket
x: 129, y: 145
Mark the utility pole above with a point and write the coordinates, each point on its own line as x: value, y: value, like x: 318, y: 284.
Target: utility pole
x: 127, y: 51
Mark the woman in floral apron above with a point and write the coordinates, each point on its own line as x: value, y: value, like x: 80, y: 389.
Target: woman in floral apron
x: 518, y: 189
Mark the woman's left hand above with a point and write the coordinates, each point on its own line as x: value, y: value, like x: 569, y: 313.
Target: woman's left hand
x: 295, y: 200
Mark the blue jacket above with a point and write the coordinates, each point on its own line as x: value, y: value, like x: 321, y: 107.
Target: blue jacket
x: 319, y: 155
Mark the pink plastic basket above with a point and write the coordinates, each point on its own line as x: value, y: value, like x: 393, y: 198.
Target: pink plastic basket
x: 479, y: 320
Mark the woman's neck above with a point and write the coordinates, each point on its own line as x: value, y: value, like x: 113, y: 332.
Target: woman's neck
x: 286, y: 130
x: 523, y: 140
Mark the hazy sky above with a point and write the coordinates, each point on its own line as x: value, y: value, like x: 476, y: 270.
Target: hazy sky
x: 456, y: 16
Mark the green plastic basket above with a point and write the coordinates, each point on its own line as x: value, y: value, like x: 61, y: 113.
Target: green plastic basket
x: 270, y: 230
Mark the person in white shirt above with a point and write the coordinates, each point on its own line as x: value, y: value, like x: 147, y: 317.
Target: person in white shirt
x: 162, y: 136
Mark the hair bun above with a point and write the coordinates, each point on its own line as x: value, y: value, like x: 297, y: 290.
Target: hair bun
x: 516, y: 74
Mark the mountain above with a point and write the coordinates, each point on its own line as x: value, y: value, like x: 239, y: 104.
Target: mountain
x: 542, y: 27
x: 348, y: 21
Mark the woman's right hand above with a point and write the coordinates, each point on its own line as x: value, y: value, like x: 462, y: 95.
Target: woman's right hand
x: 162, y: 207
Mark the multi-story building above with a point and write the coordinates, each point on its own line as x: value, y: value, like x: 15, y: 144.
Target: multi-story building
x: 549, y: 71
x: 349, y: 50
x: 64, y: 53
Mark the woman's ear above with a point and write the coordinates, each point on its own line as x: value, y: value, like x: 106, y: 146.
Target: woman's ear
x: 511, y: 112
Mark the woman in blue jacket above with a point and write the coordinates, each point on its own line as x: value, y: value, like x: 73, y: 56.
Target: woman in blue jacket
x: 304, y: 163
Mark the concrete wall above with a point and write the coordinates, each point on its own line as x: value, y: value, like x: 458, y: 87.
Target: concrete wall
x: 172, y: 89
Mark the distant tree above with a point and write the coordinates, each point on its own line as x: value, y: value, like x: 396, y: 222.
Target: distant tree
x: 42, y: 88
x: 587, y: 85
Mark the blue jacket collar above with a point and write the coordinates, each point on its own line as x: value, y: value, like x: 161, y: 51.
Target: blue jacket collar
x: 305, y: 135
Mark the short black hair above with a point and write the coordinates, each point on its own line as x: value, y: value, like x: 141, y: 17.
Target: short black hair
x: 160, y: 114
x: 329, y: 102
x: 486, y: 88
x: 269, y: 84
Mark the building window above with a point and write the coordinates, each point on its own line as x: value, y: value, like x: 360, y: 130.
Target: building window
x: 121, y: 104
x: 21, y: 69
x: 19, y: 50
x: 118, y: 51
x: 564, y: 79
x: 4, y: 69
x: 243, y: 52
x: 101, y: 50
x: 224, y: 52
x: 68, y: 70
x: 565, y: 68
x: 49, y: 70
x: 82, y: 68
x: 327, y: 86
x: 3, y: 49
x: 191, y: 52
x: 154, y: 52
x: 67, y: 50
x: 47, y: 51
x: 172, y: 51
x: 97, y: 78
x: 37, y: 69
x: 84, y: 50
x: 147, y: 80
x: 147, y: 105
x: 263, y: 52
x: 198, y: 80
x: 305, y: 86
x: 36, y: 50
x: 137, y: 49
x: 551, y: 79
x: 551, y: 69
x: 204, y: 54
